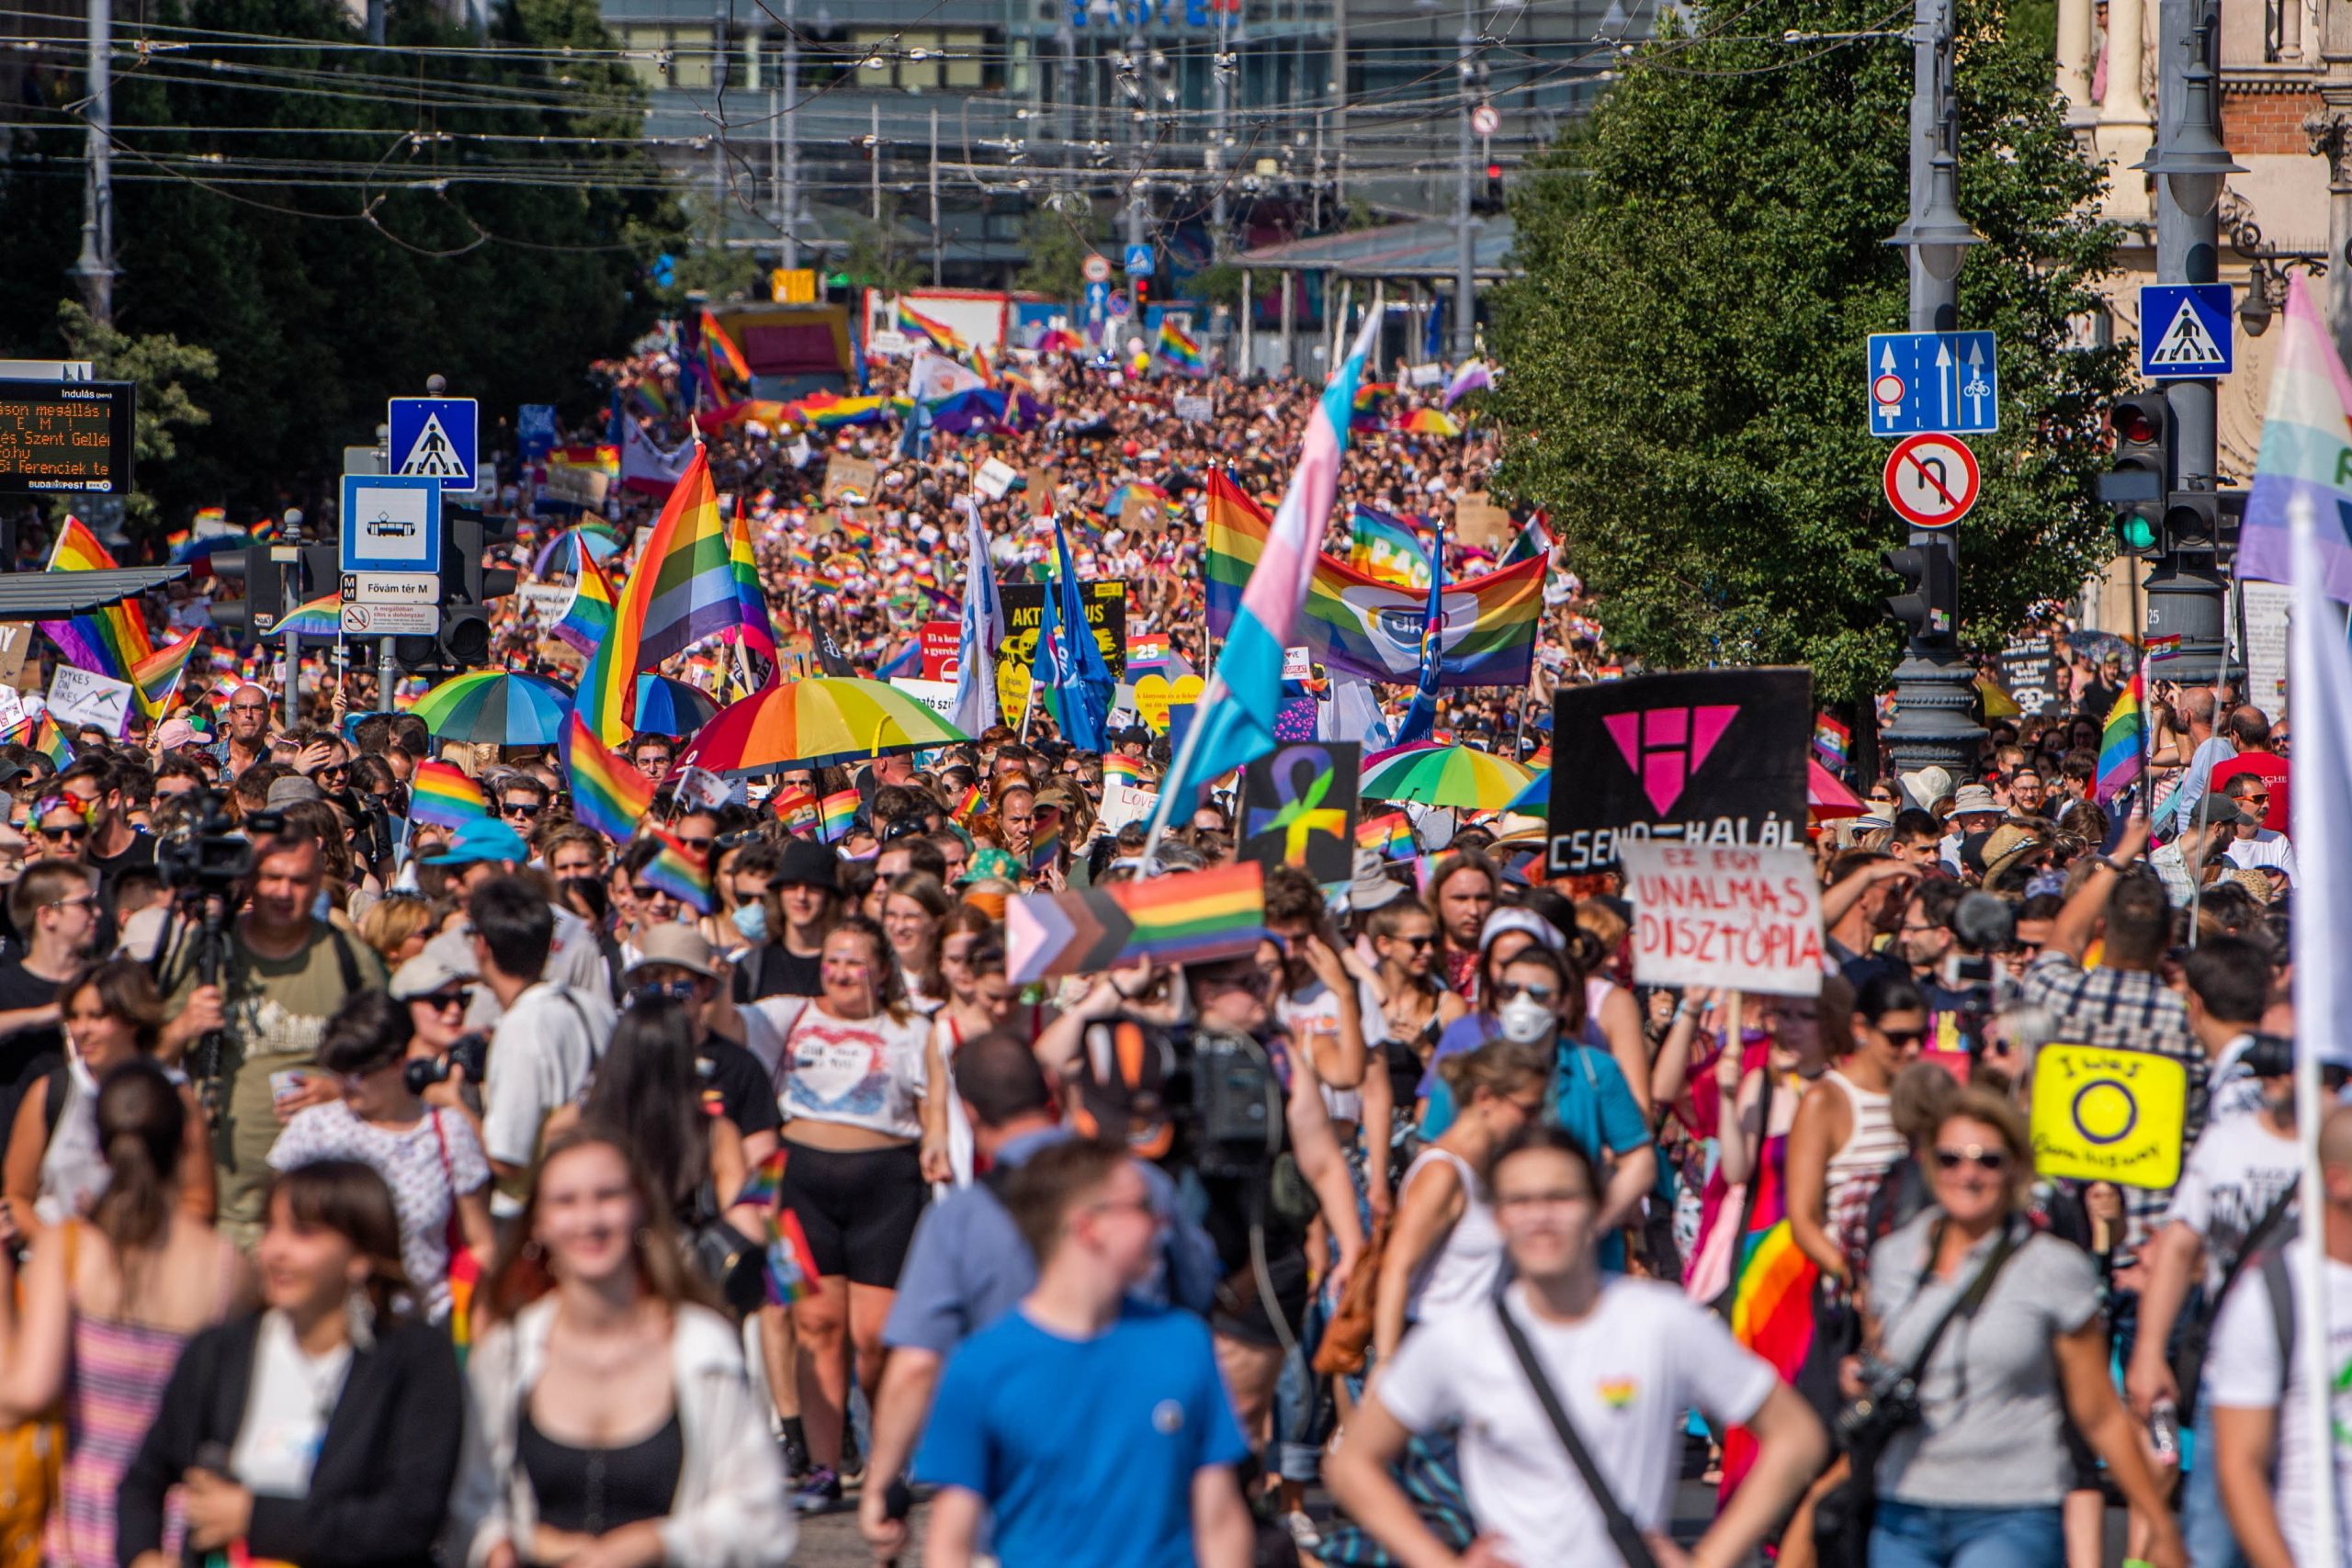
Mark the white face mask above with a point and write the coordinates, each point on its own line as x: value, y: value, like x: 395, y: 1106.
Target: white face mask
x: 1525, y: 1021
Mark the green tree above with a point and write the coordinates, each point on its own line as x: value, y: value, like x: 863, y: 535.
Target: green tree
x: 879, y: 257
x: 161, y: 366
x: 334, y: 225
x: 1685, y: 384
x: 1057, y: 243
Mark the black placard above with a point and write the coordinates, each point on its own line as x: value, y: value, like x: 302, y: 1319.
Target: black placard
x: 2030, y: 673
x: 1713, y: 757
x: 1285, y: 796
x: 66, y: 435
x: 1106, y: 612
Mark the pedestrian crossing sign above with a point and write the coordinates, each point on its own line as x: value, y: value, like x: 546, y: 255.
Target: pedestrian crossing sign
x: 436, y: 438
x: 2185, y: 330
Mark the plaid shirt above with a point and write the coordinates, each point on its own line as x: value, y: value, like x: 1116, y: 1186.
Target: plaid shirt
x: 2123, y: 1009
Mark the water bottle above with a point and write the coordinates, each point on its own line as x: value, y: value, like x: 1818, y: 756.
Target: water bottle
x: 2164, y: 1431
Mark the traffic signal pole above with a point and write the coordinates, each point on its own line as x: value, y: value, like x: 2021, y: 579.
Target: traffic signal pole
x: 1934, y: 691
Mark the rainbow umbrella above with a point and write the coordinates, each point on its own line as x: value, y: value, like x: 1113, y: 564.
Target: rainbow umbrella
x: 814, y: 722
x: 665, y: 706
x: 496, y: 707
x: 1826, y: 797
x: 1459, y: 776
x: 1429, y: 421
x: 1537, y: 798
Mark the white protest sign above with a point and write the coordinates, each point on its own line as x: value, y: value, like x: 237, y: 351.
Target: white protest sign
x: 2263, y: 646
x: 1123, y: 804
x: 1195, y: 409
x: 78, y: 697
x: 546, y: 601
x: 1749, y: 919
x: 995, y: 479
x: 939, y: 697
x: 12, y: 708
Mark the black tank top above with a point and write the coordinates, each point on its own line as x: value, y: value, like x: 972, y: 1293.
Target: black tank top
x: 591, y: 1491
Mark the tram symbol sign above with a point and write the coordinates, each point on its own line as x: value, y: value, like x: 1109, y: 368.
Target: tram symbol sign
x: 1931, y: 481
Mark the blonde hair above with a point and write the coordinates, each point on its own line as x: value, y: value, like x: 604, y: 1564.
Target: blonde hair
x: 388, y: 923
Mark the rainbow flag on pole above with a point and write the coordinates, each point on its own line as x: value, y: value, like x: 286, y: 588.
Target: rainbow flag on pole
x: 938, y: 333
x: 683, y: 590
x: 157, y: 676
x: 607, y: 794
x: 320, y: 618
x: 442, y: 795
x: 835, y: 813
x: 1390, y: 835
x: 679, y: 871
x: 588, y: 619
x: 2123, y: 743
x: 111, y: 640
x: 1191, y: 917
x: 1180, y: 349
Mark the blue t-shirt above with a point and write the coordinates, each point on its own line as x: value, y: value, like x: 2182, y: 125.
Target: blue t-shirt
x: 1084, y: 1451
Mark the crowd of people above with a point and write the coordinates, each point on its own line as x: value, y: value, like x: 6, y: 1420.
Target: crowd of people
x: 400, y: 1191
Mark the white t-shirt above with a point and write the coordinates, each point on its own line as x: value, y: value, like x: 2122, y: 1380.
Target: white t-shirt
x: 865, y: 1073
x: 1312, y: 1017
x: 286, y: 1414
x: 541, y: 1057
x: 2265, y: 850
x: 2230, y: 1180
x: 1626, y: 1374
x: 2242, y: 1373
x: 427, y: 1167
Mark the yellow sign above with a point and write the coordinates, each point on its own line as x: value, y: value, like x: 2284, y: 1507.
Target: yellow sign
x: 1155, y: 692
x: 792, y: 285
x: 2103, y: 1116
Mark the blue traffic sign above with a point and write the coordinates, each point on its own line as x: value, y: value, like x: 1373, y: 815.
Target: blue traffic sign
x: 1922, y: 382
x: 2185, y: 330
x: 1139, y: 261
x: 435, y: 438
x: 1119, y: 307
x: 392, y: 522
x: 1098, y: 300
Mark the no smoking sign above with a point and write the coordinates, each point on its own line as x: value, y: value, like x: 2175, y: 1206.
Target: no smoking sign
x: 1931, y: 481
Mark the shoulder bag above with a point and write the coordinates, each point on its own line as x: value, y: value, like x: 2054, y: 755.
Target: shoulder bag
x: 1623, y: 1533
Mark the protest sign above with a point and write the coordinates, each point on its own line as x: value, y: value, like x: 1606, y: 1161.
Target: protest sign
x: 995, y: 479
x: 1480, y: 523
x: 1024, y: 610
x: 77, y: 698
x: 1123, y: 803
x: 16, y: 651
x: 1723, y: 915
x: 2029, y: 673
x: 1155, y: 694
x: 1194, y: 410
x: 1189, y: 917
x: 1713, y: 757
x: 941, y: 640
x: 1298, y: 808
x: 939, y: 697
x: 850, y: 476
x: 544, y: 603
x: 2108, y: 1115
x: 12, y: 708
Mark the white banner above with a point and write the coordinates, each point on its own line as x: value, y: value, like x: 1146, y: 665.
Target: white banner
x: 76, y: 697
x: 1749, y: 919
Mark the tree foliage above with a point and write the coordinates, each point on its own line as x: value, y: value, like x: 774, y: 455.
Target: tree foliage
x: 334, y: 225
x: 880, y: 256
x: 1686, y: 391
x: 1056, y: 244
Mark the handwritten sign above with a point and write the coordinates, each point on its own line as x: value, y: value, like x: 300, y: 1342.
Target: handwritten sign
x: 850, y: 476
x: 1725, y: 915
x: 2108, y: 1115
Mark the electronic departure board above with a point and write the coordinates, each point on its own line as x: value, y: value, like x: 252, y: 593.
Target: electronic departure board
x: 66, y: 435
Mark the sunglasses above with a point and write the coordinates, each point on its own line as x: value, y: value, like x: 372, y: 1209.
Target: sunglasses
x: 71, y: 830
x: 662, y: 991
x: 699, y: 846
x: 1901, y: 1037
x: 1415, y: 943
x: 643, y: 891
x: 519, y: 808
x: 443, y: 1001
x: 1976, y: 1154
x: 1510, y: 990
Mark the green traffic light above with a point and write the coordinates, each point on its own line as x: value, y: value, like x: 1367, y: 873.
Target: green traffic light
x: 2137, y: 530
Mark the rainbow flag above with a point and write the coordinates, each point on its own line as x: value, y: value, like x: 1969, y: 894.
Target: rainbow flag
x: 157, y: 676
x: 762, y: 1188
x: 2123, y: 743
x: 859, y: 534
x: 1388, y: 549
x: 1181, y: 349
x: 442, y: 795
x: 1359, y: 626
x: 835, y: 813
x: 588, y: 619
x: 683, y: 590
x: 107, y: 641
x: 796, y: 808
x: 939, y: 334
x: 2165, y: 647
x: 1045, y: 838
x: 1119, y: 768
x: 971, y: 801
x: 790, y: 1266
x: 834, y: 413
x: 607, y: 794
x: 679, y: 871
x: 754, y: 630
x: 722, y: 348
x: 1191, y: 917
x: 42, y: 734
x: 320, y: 618
x: 1829, y: 738
x: 2306, y: 456
x: 1060, y: 340
x: 1370, y: 392
x: 1390, y: 834
x: 1771, y: 1314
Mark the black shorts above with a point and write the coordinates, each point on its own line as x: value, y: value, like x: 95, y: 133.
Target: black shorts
x: 1240, y: 1312
x: 858, y: 1208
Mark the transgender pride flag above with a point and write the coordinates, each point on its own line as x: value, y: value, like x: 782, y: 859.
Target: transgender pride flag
x: 2306, y: 454
x: 1250, y: 669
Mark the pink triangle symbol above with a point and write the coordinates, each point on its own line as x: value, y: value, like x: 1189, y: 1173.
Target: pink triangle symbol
x: 1625, y: 729
x: 1707, y: 726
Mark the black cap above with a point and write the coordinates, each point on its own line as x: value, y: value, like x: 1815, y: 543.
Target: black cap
x: 809, y: 864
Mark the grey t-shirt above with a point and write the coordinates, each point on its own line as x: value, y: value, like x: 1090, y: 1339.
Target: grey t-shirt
x: 1994, y: 1410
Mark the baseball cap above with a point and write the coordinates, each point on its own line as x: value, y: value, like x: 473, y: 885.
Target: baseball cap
x: 1511, y: 918
x: 483, y: 839
x: 678, y: 946
x: 425, y: 974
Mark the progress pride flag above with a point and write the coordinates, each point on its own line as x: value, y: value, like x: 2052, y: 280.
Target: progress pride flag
x: 1745, y: 919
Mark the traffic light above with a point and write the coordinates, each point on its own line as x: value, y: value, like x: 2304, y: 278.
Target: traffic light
x: 1142, y: 295
x: 264, y: 592
x: 2137, y: 486
x: 1931, y: 591
x: 467, y: 590
x: 1491, y: 199
x: 2193, y: 522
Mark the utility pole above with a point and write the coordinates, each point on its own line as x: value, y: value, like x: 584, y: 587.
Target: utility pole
x: 376, y: 22
x: 96, y: 266
x: 873, y: 172
x: 288, y: 553
x: 2185, y: 593
x: 1340, y: 108
x: 938, y: 244
x: 1933, y: 690
x: 1465, y: 260
x: 1221, y: 93
x: 791, y: 135
x: 1139, y: 102
x: 722, y: 23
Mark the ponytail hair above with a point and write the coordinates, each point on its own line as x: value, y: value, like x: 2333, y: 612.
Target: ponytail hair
x: 141, y: 1125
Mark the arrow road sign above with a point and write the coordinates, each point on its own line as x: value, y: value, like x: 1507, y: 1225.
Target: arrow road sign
x: 2185, y: 330
x: 1931, y: 481
x: 1921, y: 382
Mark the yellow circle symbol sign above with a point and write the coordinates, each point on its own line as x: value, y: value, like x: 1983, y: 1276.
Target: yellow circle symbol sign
x: 2108, y: 1115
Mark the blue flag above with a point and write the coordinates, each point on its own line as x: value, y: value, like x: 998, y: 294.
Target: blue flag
x: 1069, y: 660
x: 1421, y: 718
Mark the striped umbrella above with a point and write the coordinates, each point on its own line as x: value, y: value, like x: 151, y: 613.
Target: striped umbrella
x: 811, y: 723
x: 666, y: 706
x: 1459, y: 776
x: 494, y: 708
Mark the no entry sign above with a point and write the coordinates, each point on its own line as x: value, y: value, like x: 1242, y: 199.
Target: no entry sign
x: 1931, y: 481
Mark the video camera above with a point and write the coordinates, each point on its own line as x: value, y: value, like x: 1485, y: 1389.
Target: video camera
x: 209, y: 858
x: 1208, y: 1098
